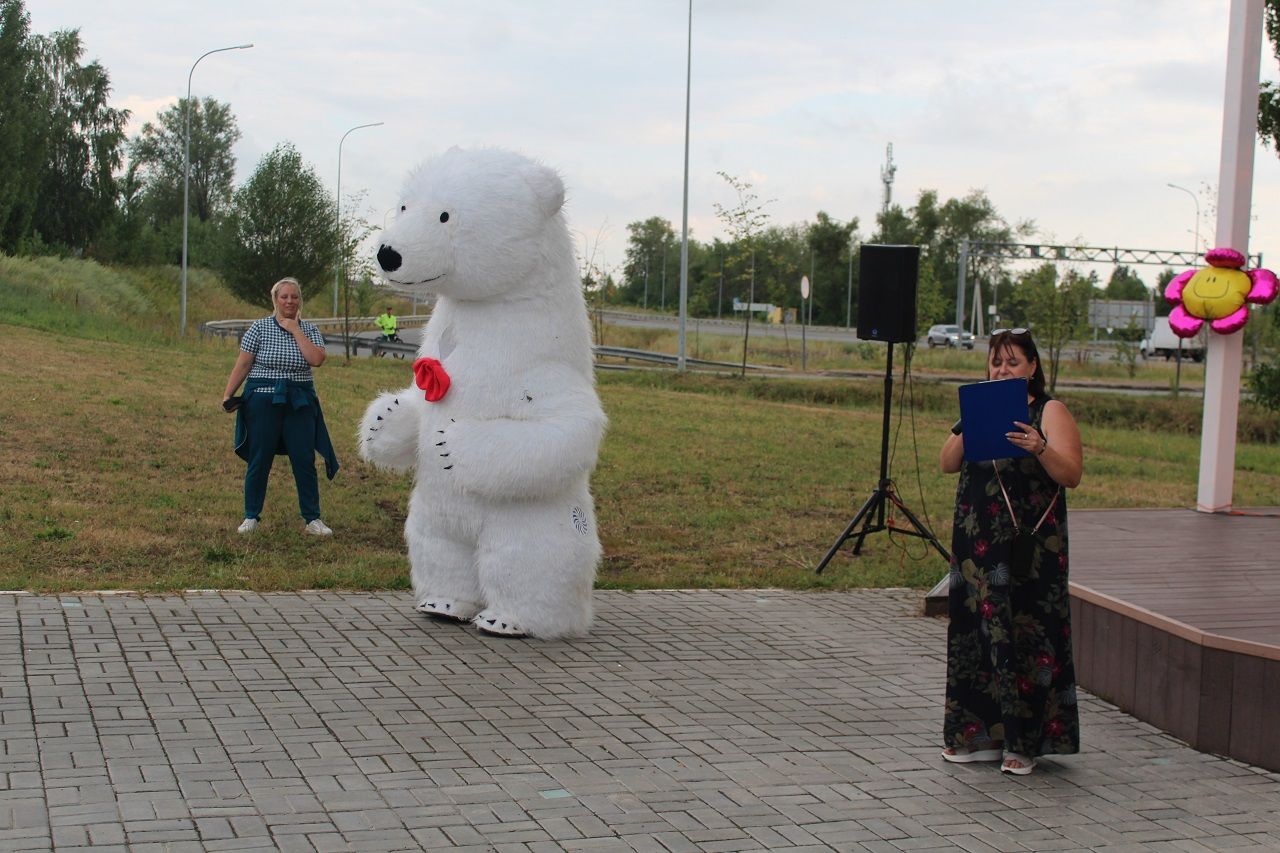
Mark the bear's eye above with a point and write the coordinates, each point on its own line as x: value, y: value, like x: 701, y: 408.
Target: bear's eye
x: 403, y: 208
x: 444, y: 217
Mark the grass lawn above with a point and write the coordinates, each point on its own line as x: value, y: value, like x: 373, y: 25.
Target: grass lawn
x: 117, y: 472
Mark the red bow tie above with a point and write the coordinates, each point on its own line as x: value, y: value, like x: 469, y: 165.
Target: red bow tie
x: 431, y: 377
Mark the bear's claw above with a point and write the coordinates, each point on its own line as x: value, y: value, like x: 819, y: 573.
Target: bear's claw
x: 496, y: 625
x: 447, y: 609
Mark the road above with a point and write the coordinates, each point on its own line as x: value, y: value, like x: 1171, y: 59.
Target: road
x: 732, y: 327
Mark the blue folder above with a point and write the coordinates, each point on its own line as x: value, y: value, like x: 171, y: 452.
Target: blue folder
x: 987, y: 412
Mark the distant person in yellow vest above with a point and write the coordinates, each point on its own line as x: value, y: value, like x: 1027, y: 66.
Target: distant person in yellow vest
x: 386, y: 321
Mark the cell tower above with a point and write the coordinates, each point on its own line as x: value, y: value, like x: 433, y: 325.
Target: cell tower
x: 886, y: 176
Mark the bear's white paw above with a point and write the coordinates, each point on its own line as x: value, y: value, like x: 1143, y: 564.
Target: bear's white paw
x: 448, y: 608
x: 496, y: 625
x: 388, y: 433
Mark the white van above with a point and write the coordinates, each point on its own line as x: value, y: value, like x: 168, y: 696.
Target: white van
x: 1163, y: 342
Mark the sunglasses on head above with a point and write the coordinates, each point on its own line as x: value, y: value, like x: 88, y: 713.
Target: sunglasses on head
x: 995, y: 332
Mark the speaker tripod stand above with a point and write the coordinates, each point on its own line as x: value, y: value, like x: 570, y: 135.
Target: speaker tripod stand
x: 872, y: 514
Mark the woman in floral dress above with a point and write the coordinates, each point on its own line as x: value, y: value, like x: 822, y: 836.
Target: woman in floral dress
x: 1011, y: 688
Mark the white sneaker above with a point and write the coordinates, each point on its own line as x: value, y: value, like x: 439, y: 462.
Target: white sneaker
x: 318, y: 528
x: 249, y: 525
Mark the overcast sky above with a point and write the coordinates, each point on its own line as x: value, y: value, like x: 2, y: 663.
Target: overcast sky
x: 1073, y: 114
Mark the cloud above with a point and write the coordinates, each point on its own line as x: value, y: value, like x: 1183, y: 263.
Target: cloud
x: 1075, y: 115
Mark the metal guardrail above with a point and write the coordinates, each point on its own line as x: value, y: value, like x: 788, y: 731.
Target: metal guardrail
x: 425, y: 314
x: 224, y: 328
x: 376, y: 345
x: 237, y: 327
x: 642, y: 317
x: 628, y: 354
x: 402, y: 349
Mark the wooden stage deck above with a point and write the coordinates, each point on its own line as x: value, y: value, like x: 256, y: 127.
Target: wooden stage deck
x: 1176, y: 619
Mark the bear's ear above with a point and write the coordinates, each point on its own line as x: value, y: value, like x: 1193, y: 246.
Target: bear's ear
x: 547, y: 187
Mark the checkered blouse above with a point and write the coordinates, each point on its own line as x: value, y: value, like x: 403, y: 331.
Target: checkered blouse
x: 275, y: 352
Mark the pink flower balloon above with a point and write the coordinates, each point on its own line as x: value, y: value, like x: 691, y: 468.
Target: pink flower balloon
x: 1218, y: 294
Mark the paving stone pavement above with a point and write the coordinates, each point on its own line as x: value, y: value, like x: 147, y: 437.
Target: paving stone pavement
x: 687, y: 721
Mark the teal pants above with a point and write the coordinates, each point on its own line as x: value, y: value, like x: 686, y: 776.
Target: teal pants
x: 271, y: 426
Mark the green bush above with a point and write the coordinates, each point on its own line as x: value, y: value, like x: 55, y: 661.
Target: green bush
x: 1264, y: 382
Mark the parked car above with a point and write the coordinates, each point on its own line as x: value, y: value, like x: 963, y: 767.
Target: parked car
x: 949, y: 336
x: 1163, y: 342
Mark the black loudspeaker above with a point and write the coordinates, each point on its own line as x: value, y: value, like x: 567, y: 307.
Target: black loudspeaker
x: 887, y: 293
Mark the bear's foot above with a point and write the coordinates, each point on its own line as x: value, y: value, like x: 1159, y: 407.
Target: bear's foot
x: 496, y: 625
x: 448, y: 609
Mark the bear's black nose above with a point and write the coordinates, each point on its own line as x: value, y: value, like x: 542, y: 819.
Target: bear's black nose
x: 388, y: 259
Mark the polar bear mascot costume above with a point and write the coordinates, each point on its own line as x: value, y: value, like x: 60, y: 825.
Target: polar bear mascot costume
x: 502, y: 421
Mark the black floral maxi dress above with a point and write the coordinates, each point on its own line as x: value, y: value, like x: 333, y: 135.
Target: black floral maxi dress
x: 1010, y: 675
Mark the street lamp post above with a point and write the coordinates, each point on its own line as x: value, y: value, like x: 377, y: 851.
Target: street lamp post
x: 337, y: 271
x: 663, y: 303
x: 848, y: 293
x: 186, y: 182
x: 684, y: 236
x: 720, y: 297
x: 1197, y: 201
x: 338, y: 267
x: 645, y: 305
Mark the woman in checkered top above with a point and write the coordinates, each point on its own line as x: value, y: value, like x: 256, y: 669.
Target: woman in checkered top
x: 281, y: 412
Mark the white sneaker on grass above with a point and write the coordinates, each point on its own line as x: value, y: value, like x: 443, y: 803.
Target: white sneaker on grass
x: 317, y: 527
x: 249, y: 525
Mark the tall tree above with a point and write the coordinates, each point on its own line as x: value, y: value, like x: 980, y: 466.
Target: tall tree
x: 973, y: 217
x: 783, y: 255
x: 939, y: 230
x: 829, y: 243
x: 282, y: 220
x: 84, y: 145
x: 1057, y: 311
x: 1162, y: 281
x: 895, y: 226
x: 1268, y: 92
x: 23, y: 125
x: 780, y: 254
x: 157, y: 155
x: 712, y: 277
x: 1125, y: 284
x: 649, y: 246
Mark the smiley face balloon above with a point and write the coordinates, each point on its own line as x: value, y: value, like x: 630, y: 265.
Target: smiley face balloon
x: 1218, y: 294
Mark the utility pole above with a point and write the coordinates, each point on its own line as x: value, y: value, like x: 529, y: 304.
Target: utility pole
x: 646, y: 282
x: 720, y: 298
x: 664, y: 273
x: 977, y: 328
x: 848, y: 294
x: 683, y: 308
x: 887, y: 172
